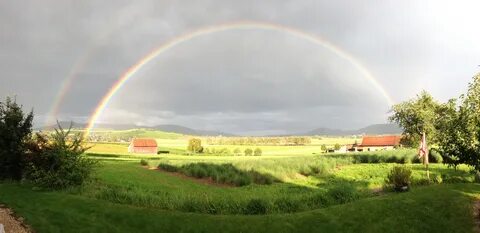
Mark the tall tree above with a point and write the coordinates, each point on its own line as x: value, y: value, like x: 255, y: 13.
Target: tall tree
x: 416, y: 116
x: 459, y: 125
x: 15, y: 131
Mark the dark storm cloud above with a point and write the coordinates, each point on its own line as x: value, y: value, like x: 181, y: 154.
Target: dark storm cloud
x: 244, y: 81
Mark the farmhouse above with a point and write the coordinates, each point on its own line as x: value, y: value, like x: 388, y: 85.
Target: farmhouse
x: 146, y: 146
x: 374, y: 143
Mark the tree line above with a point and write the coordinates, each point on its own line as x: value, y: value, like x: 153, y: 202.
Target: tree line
x: 259, y: 141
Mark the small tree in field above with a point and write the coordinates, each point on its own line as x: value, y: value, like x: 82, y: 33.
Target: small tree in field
x: 248, y: 152
x: 237, y: 151
x: 324, y: 148
x: 15, y: 131
x: 257, y: 152
x: 337, y: 147
x: 195, y: 145
x: 417, y: 116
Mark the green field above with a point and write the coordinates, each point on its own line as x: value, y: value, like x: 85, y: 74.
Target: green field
x: 311, y: 192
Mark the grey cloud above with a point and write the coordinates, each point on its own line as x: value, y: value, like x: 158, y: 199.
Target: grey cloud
x: 244, y: 81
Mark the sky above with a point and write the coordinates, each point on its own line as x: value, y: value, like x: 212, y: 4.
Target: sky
x: 245, y: 81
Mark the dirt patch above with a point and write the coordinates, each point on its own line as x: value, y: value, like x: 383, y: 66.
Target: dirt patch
x: 476, y: 215
x: 206, y: 180
x: 11, y: 222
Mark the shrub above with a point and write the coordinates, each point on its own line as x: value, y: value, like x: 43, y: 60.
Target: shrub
x: 257, y: 207
x: 258, y: 152
x: 399, y: 178
x: 57, y: 161
x: 343, y: 193
x: 248, y: 152
x: 163, y: 152
x: 143, y: 162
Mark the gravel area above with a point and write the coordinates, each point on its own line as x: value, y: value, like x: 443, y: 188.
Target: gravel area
x: 10, y: 223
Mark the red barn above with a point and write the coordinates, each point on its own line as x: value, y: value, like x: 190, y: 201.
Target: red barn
x: 145, y: 146
x: 373, y: 143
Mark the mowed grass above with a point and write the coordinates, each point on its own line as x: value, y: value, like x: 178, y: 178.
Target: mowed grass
x: 437, y: 208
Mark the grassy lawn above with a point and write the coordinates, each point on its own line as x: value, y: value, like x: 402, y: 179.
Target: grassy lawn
x: 341, y: 196
x: 437, y: 208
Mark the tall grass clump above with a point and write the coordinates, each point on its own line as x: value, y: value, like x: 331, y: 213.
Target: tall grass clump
x: 220, y: 173
x: 399, y: 178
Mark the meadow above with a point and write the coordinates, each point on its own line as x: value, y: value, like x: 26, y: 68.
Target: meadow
x: 286, y: 189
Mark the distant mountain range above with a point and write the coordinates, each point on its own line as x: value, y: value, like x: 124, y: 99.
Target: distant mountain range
x: 377, y: 129
x: 166, y: 128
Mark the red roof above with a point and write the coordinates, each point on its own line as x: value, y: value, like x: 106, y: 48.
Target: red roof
x: 138, y: 142
x: 392, y: 140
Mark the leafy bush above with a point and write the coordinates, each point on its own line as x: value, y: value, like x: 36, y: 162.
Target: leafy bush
x: 56, y: 161
x: 257, y: 207
x: 248, y: 152
x: 399, y: 178
x: 258, y: 152
x: 143, y: 162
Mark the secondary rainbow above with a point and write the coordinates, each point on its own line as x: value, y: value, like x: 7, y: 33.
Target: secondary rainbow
x: 225, y: 27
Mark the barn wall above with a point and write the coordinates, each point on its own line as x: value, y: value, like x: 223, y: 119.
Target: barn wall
x: 145, y: 150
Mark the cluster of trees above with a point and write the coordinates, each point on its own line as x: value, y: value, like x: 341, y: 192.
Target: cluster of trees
x: 195, y: 146
x: 453, y: 128
x: 47, y: 160
x: 259, y: 141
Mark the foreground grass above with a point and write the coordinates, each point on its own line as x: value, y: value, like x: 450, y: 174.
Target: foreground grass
x: 438, y: 208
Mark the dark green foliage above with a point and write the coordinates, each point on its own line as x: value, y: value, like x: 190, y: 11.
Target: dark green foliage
x: 15, y: 131
x: 143, y: 162
x: 248, y: 152
x: 220, y: 173
x: 399, y: 178
x: 257, y: 207
x: 163, y: 152
x: 56, y: 161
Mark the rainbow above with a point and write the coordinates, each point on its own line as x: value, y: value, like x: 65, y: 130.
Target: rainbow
x: 225, y: 27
